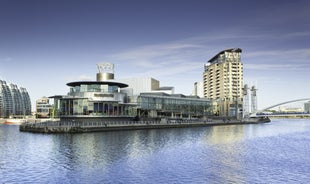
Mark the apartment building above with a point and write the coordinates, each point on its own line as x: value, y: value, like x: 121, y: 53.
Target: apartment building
x: 14, y: 101
x: 223, y: 82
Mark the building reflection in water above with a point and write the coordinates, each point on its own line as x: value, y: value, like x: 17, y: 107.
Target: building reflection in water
x: 138, y: 149
x: 227, y: 163
x: 225, y: 134
x: 218, y: 154
x: 102, y: 148
x: 88, y: 150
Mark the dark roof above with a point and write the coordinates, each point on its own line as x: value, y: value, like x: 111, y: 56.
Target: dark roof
x: 154, y: 94
x: 165, y: 88
x: 178, y: 95
x: 56, y: 96
x: 111, y: 83
x: 227, y: 50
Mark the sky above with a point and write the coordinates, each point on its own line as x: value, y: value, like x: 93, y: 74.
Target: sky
x: 45, y: 44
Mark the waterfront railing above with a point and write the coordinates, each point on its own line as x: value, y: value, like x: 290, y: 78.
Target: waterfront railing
x: 89, y: 126
x: 86, y: 124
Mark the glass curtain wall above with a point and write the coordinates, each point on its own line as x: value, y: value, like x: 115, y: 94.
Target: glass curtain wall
x: 180, y: 107
x: 95, y: 88
x: 71, y: 107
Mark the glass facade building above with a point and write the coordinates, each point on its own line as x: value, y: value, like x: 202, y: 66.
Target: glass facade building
x: 14, y: 101
x: 96, y: 99
x: 90, y: 100
x: 108, y: 99
x: 172, y: 106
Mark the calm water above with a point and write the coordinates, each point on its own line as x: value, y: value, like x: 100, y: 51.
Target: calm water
x: 278, y: 152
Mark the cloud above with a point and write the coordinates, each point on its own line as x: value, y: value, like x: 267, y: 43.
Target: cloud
x: 297, y: 34
x: 300, y: 53
x: 149, y: 53
x: 161, y: 59
x: 297, y: 59
x: 269, y: 66
x: 190, y: 54
x: 182, y: 68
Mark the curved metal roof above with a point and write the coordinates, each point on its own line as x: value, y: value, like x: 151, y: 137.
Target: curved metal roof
x: 111, y: 83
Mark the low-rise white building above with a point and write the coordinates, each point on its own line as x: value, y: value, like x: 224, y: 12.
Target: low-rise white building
x: 43, y: 107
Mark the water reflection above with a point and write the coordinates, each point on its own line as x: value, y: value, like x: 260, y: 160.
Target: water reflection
x: 225, y: 134
x: 225, y: 142
x: 218, y: 154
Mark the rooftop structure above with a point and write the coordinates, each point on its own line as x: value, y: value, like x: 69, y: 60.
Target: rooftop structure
x: 142, y: 84
x: 136, y: 86
x: 225, y: 55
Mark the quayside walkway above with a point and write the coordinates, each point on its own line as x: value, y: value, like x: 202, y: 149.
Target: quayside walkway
x: 79, y: 127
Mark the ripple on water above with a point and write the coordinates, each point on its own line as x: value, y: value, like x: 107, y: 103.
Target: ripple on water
x: 273, y: 153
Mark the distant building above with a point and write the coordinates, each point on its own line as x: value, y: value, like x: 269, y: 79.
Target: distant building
x: 198, y: 89
x: 246, y: 101
x: 249, y: 100
x: 223, y: 82
x: 307, y: 107
x: 253, y: 99
x: 43, y: 108
x: 14, y: 101
x: 291, y: 109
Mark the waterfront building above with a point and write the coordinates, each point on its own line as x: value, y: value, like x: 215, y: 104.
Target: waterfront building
x: 223, y: 82
x: 173, y: 106
x: 307, y: 107
x: 14, y: 101
x: 95, y: 99
x: 43, y: 108
x: 107, y: 99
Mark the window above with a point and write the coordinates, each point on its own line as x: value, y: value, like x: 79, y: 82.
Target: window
x: 83, y: 88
